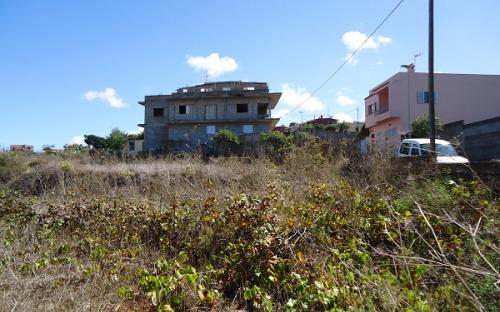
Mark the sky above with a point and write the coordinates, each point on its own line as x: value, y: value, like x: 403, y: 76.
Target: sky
x: 69, y: 68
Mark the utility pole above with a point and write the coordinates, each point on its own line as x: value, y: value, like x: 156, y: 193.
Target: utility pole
x: 408, y: 70
x: 357, y: 119
x: 432, y: 117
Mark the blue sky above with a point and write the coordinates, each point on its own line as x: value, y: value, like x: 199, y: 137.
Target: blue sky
x: 58, y: 58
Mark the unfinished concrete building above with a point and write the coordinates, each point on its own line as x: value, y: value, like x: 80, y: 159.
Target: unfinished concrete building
x: 192, y: 115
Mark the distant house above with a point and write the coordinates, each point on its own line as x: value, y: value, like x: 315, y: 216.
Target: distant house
x: 323, y: 121
x: 468, y: 105
x: 133, y: 147
x: 192, y: 115
x: 21, y: 148
x: 282, y: 129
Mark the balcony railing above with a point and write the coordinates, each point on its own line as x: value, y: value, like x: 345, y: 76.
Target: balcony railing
x: 382, y: 110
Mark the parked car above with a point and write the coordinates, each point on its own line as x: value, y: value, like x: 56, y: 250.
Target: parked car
x: 445, y: 152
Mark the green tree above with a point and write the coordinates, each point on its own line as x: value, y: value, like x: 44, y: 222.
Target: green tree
x: 95, y: 142
x: 363, y: 132
x: 138, y: 136
x: 116, y: 139
x: 421, y: 128
x: 331, y: 127
x: 343, y: 126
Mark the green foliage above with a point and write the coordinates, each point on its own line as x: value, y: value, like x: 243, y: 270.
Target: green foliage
x: 276, y: 144
x: 96, y: 142
x: 363, y: 132
x: 421, y: 126
x: 116, y: 139
x: 172, y: 283
x: 9, y: 167
x: 138, y: 136
x: 343, y: 126
x: 309, y: 244
x: 226, y: 136
x: 332, y: 127
x: 113, y: 142
x: 125, y: 293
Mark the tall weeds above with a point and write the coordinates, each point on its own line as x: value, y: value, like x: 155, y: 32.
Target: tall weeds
x: 325, y: 229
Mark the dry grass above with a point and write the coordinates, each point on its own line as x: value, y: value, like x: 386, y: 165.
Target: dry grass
x: 360, y: 233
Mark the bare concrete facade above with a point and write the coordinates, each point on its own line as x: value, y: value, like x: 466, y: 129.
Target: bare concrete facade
x: 192, y: 115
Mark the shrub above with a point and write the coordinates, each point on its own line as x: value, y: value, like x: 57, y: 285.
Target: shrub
x: 421, y: 127
x: 226, y: 136
x: 331, y: 127
x: 343, y: 126
x: 276, y: 144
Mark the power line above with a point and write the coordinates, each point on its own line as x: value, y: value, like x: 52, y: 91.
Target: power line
x: 347, y: 59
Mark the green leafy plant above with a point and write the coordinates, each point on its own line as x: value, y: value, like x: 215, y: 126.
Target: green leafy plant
x: 331, y: 127
x: 226, y: 136
x: 421, y: 126
x: 276, y: 144
x: 343, y: 126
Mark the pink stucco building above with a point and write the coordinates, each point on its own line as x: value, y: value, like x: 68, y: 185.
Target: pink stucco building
x: 395, y: 103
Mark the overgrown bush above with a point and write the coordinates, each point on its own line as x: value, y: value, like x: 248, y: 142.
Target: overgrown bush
x: 343, y: 126
x: 299, y: 236
x: 331, y: 127
x: 421, y: 126
x: 226, y: 136
x: 276, y: 144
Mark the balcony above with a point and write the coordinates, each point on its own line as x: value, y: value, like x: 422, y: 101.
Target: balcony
x: 378, y: 117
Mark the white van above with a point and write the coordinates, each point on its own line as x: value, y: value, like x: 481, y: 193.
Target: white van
x: 445, y: 152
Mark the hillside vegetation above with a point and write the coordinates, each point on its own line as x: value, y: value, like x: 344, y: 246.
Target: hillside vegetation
x: 318, y: 230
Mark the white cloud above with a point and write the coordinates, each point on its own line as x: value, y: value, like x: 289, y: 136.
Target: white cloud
x: 379, y: 63
x: 280, y: 113
x: 108, y: 95
x: 213, y: 64
x: 382, y: 40
x: 345, y: 100
x: 296, y: 96
x: 354, y: 39
x: 343, y: 117
x: 79, y: 139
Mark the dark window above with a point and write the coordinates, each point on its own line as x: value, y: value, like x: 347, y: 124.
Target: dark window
x: 262, y: 109
x: 242, y: 108
x: 157, y: 112
x: 182, y: 109
x: 405, y: 148
x: 131, y: 145
x: 414, y: 150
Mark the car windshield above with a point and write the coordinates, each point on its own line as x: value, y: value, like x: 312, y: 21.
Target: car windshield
x: 441, y: 150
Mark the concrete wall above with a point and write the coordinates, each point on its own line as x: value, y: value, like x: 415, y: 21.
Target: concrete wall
x: 481, y: 140
x: 226, y: 109
x: 138, y: 147
x: 155, y: 137
x: 186, y: 137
